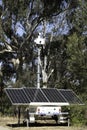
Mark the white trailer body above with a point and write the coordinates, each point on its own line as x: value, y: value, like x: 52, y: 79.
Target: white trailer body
x: 44, y: 110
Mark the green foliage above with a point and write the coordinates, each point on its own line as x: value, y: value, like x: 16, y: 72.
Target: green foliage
x: 76, y: 62
x: 80, y: 18
x: 27, y: 79
x: 75, y: 51
x: 78, y: 115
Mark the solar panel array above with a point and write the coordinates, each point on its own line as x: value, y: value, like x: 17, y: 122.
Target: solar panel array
x: 25, y: 96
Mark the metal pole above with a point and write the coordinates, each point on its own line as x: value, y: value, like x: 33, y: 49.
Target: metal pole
x: 38, y: 69
x: 28, y: 118
x: 19, y: 116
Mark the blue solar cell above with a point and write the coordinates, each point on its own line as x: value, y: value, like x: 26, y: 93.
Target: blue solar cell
x: 17, y: 96
x: 70, y: 96
x: 53, y: 95
x: 35, y: 95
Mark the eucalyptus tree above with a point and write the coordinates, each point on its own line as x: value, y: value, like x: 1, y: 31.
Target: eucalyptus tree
x: 20, y: 22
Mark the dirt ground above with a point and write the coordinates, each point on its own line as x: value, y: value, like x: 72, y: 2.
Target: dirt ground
x: 11, y: 123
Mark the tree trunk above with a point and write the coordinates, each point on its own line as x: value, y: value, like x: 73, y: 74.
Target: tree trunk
x: 44, y: 78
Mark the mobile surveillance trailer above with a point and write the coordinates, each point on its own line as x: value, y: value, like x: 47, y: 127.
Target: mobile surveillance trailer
x: 42, y: 102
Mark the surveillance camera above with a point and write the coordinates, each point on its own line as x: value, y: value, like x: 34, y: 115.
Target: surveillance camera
x: 39, y: 40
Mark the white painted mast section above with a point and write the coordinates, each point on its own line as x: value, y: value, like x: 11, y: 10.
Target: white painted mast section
x: 38, y: 69
x: 40, y: 42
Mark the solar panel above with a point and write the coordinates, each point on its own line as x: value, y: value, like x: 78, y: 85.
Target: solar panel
x: 53, y: 95
x: 35, y: 95
x: 25, y: 96
x: 70, y: 96
x: 17, y: 96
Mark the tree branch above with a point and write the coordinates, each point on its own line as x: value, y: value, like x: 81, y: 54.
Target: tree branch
x: 3, y: 51
x: 50, y: 73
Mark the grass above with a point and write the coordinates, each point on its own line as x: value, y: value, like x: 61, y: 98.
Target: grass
x: 11, y: 123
